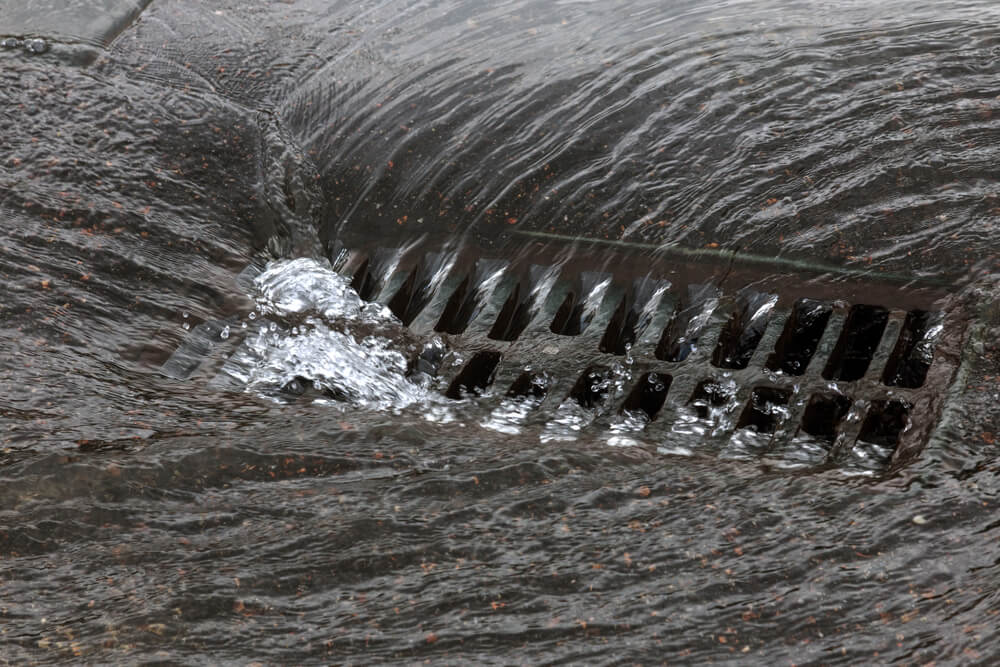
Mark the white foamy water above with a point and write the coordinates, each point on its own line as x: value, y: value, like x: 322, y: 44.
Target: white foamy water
x: 314, y: 328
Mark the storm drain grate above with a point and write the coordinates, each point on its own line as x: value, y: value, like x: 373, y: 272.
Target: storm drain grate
x: 807, y: 372
x: 724, y: 357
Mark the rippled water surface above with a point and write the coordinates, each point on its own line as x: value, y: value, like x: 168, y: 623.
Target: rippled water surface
x: 310, y: 495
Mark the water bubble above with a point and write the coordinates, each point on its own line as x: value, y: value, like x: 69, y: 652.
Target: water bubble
x: 36, y: 46
x: 186, y: 326
x: 252, y: 315
x: 243, y: 325
x: 10, y: 43
x: 225, y: 332
x: 184, y: 315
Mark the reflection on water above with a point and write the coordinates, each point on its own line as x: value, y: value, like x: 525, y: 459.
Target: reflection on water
x: 145, y: 518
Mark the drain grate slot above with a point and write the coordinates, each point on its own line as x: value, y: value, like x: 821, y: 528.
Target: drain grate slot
x: 710, y: 396
x: 476, y: 375
x: 580, y: 305
x: 413, y: 295
x: 469, y: 298
x: 569, y: 318
x: 371, y: 275
x: 592, y: 388
x: 364, y: 282
x: 885, y: 422
x: 460, y: 309
x: 823, y: 415
x: 632, y: 316
x: 687, y: 324
x: 743, y: 331
x: 914, y: 351
x: 515, y: 315
x: 621, y: 328
x: 857, y: 343
x: 530, y: 385
x: 648, y: 395
x: 766, y: 409
x: 800, y: 337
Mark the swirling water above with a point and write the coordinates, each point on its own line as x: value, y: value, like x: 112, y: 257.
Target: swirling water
x: 144, y: 518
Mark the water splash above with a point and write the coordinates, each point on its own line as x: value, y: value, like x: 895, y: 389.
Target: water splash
x: 313, y: 331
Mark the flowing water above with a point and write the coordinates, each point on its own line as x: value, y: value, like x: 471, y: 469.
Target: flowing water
x: 216, y: 447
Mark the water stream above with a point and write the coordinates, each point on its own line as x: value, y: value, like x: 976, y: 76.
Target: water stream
x: 306, y: 497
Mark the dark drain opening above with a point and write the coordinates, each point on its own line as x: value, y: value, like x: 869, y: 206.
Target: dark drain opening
x: 743, y: 331
x: 364, y: 282
x: 708, y: 396
x: 693, y: 310
x: 530, y: 385
x: 885, y: 422
x: 800, y: 337
x: 857, y: 343
x: 569, y: 318
x: 914, y: 351
x: 370, y: 276
x: 459, y: 310
x: 592, y: 387
x: 621, y: 328
x: 514, y: 316
x: 823, y: 415
x: 413, y: 295
x: 649, y: 394
x: 476, y: 376
x: 765, y: 410
x: 581, y: 303
x: 631, y: 317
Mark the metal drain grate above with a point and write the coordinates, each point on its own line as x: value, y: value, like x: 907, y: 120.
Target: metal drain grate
x: 809, y: 370
x: 729, y: 356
